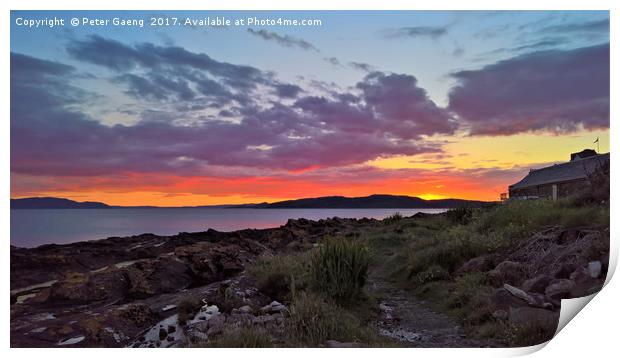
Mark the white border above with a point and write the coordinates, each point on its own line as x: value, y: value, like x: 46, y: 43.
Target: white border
x: 591, y: 332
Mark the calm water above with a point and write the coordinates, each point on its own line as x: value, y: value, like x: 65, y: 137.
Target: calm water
x: 31, y: 228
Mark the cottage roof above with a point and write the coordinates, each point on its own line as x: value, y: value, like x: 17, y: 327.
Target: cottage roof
x: 573, y: 170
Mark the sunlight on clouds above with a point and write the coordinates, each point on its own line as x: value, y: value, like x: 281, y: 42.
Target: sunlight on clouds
x: 499, y: 152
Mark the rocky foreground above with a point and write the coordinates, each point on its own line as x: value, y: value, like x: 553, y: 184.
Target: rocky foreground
x: 125, y: 291
x: 129, y: 292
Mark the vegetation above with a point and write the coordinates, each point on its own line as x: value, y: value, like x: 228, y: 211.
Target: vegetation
x: 320, y: 286
x: 325, y: 288
x: 187, y: 308
x: 339, y: 268
x: 243, y: 337
x: 461, y: 216
x: 435, y: 257
x: 279, y: 276
x: 526, y: 335
x: 394, y: 217
x: 311, y: 320
x: 500, y: 228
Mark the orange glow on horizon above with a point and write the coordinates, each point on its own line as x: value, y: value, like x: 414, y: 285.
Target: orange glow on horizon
x: 474, y: 168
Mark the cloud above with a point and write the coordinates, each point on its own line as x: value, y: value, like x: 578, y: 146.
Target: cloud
x: 433, y: 32
x: 172, y: 60
x: 288, y: 90
x: 458, y: 51
x: 284, y: 40
x: 557, y: 91
x: 360, y: 66
x: 595, y: 26
x: 396, y: 99
x: 332, y: 60
x: 348, y: 181
x: 384, y: 115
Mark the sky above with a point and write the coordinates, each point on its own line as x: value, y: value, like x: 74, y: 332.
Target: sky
x: 434, y: 104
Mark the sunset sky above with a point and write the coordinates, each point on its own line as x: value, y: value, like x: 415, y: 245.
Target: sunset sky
x: 428, y: 104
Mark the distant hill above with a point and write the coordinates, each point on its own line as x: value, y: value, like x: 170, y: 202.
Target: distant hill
x: 327, y: 202
x: 55, y: 203
x: 368, y: 202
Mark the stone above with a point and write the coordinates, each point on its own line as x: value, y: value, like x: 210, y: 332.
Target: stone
x: 586, y: 288
x: 274, y: 306
x: 559, y: 289
x: 264, y: 319
x: 594, y: 269
x: 162, y: 334
x: 172, y: 329
x: 245, y: 309
x: 503, y: 300
x: 509, y: 272
x: 537, y: 284
x: 532, y: 299
x: 564, y: 271
x: 477, y: 264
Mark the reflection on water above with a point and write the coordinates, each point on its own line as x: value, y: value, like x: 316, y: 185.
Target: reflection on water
x: 31, y: 228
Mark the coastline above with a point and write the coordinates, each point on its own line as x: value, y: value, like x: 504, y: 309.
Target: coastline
x: 447, y: 267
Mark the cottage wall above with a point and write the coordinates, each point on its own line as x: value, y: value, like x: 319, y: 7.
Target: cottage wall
x: 546, y: 190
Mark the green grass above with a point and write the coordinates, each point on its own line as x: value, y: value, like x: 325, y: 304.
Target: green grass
x: 394, y: 217
x: 526, y: 335
x: 500, y: 228
x: 311, y: 320
x: 339, y: 268
x: 278, y: 276
x: 243, y: 337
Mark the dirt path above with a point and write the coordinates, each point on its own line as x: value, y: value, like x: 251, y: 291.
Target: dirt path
x: 409, y: 320
x: 413, y: 324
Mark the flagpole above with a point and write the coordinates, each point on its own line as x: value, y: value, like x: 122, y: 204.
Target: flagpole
x: 598, y: 146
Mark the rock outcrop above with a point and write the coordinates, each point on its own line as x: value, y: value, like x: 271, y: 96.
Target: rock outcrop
x: 108, y: 292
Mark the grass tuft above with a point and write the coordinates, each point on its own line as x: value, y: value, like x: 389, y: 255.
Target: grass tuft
x: 310, y: 320
x: 339, y: 268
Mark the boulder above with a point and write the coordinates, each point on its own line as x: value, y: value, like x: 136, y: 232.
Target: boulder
x: 509, y: 272
x: 532, y: 299
x: 477, y: 264
x: 564, y: 271
x: 559, y: 289
x: 81, y: 288
x: 162, y: 334
x: 503, y: 300
x: 243, y: 309
x: 153, y: 277
x: 586, y: 288
x: 537, y: 284
x: 209, y: 327
x: 273, y: 307
x: 210, y: 263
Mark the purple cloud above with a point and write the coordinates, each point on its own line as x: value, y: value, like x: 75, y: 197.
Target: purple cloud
x: 56, y: 137
x: 557, y: 91
x: 403, y: 107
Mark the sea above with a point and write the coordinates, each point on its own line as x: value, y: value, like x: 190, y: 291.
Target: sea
x: 35, y: 227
